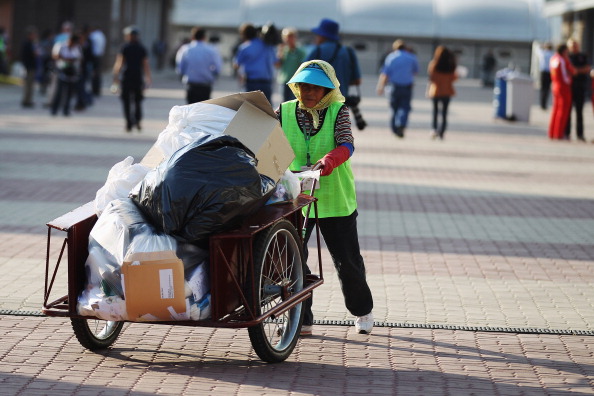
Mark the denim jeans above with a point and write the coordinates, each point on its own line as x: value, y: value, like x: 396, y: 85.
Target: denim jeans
x: 340, y: 235
x: 400, y: 102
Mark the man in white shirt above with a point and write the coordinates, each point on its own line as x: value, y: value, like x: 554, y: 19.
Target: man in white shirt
x: 68, y: 62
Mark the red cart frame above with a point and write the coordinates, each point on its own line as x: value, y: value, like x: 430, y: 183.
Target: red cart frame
x: 233, y: 274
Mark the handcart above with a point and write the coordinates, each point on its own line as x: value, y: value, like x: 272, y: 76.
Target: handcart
x: 257, y: 275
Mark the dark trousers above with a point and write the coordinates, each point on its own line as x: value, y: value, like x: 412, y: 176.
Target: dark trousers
x: 198, y: 92
x: 65, y: 90
x: 28, y: 84
x: 444, y: 102
x: 340, y: 235
x: 545, y: 88
x: 84, y: 97
x: 578, y: 96
x: 96, y: 79
x: 132, y: 95
x: 260, y: 85
x: 400, y: 103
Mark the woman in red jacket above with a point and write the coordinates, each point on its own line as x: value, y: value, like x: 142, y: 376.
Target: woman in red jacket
x: 561, y: 72
x: 442, y: 74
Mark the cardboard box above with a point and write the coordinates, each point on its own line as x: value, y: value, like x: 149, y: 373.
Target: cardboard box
x: 257, y: 127
x: 153, y: 285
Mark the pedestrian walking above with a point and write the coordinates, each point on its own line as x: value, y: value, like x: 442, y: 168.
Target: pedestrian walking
x: 290, y: 56
x: 579, y: 85
x: 132, y: 73
x: 84, y: 96
x: 59, y: 40
x: 255, y: 60
x: 159, y: 50
x: 442, y: 74
x: 46, y: 63
x: 98, y: 42
x: 199, y: 64
x: 29, y: 58
x: 3, y: 52
x: 488, y: 69
x: 342, y: 58
x: 400, y: 69
x: 561, y: 76
x: 68, y: 63
x: 318, y: 127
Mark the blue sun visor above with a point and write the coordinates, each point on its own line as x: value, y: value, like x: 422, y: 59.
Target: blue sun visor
x: 312, y: 74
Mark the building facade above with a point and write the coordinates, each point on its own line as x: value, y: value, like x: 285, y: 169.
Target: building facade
x: 471, y: 28
x: 572, y: 19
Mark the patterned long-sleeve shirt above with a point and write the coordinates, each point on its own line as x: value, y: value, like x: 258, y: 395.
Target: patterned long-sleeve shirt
x: 342, y: 128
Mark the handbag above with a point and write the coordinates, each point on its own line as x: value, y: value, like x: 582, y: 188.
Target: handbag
x: 69, y: 70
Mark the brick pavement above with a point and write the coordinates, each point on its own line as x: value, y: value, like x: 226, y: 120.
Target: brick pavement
x: 489, y: 230
x: 170, y: 360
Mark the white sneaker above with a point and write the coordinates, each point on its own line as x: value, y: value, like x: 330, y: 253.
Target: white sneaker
x: 306, y: 330
x: 364, y: 324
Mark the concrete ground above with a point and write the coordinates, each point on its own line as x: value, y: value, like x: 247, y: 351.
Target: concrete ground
x: 479, y: 252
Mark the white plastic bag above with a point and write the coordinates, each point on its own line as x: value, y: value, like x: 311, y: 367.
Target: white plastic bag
x: 148, y: 241
x: 119, y: 233
x: 94, y: 302
x: 307, y: 177
x: 122, y: 178
x: 287, y: 188
x: 108, y: 243
x: 188, y: 122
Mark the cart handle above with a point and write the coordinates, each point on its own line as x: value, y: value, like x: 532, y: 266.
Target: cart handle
x: 316, y: 167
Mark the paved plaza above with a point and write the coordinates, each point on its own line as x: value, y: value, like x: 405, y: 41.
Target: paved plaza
x: 479, y: 251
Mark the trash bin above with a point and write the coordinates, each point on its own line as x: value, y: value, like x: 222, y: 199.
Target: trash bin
x: 519, y: 98
x: 513, y: 95
x: 499, y: 96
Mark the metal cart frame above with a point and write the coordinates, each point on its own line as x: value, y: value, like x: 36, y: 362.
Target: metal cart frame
x: 239, y: 296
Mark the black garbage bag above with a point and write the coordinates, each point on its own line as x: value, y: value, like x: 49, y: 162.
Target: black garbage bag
x: 205, y: 187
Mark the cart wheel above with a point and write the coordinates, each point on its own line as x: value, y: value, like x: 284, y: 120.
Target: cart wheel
x: 95, y: 333
x: 278, y: 274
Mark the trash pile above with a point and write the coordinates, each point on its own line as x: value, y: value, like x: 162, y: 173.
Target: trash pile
x: 215, y: 163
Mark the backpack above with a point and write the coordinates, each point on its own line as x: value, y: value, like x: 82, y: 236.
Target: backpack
x: 317, y: 51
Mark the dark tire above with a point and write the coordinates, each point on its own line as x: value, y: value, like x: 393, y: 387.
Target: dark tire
x: 96, y: 334
x: 278, y: 274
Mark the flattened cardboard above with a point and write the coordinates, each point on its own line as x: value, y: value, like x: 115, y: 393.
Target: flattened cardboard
x: 153, y: 282
x: 234, y: 101
x: 256, y: 126
x: 264, y: 136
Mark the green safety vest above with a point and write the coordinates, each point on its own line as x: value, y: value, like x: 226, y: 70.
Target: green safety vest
x: 336, y: 196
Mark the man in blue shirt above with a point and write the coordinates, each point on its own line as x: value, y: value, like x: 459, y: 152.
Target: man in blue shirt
x: 256, y: 61
x: 342, y: 58
x: 199, y: 65
x: 399, y: 70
